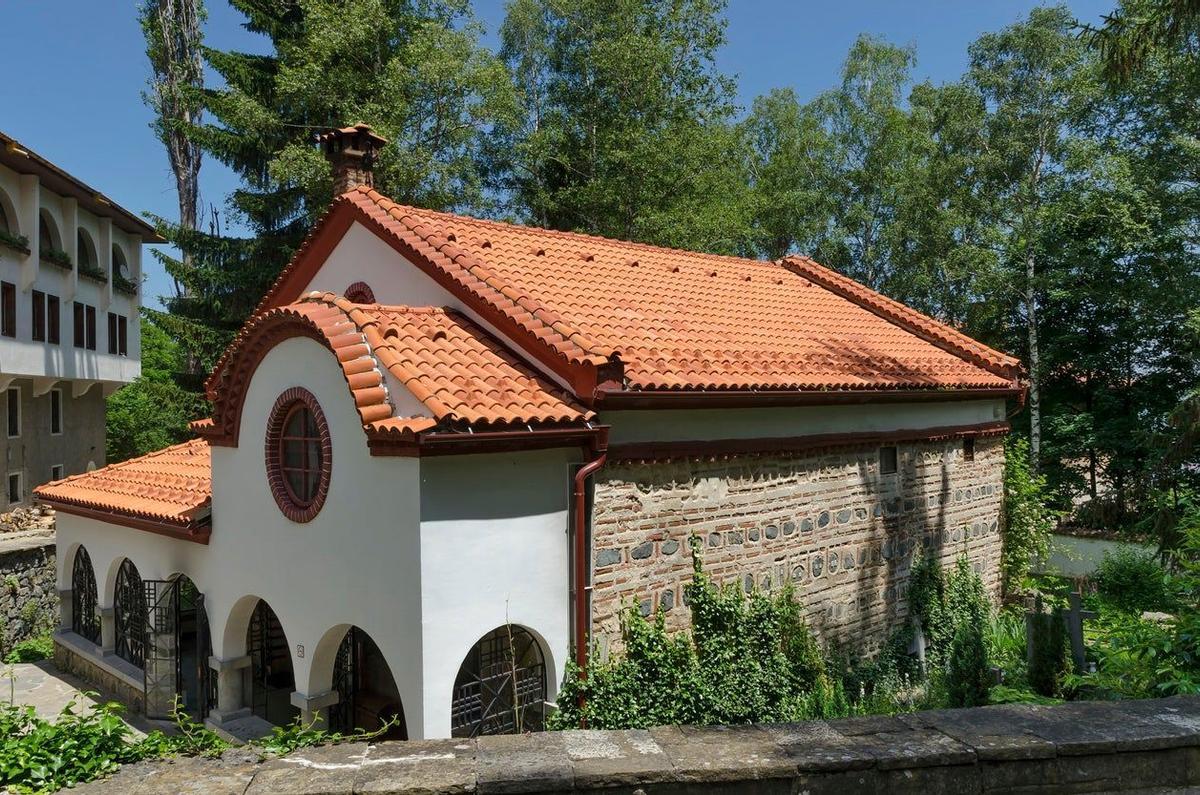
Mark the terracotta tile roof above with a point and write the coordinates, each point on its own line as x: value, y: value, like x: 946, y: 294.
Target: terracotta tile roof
x: 682, y: 320
x: 459, y: 373
x: 171, y: 486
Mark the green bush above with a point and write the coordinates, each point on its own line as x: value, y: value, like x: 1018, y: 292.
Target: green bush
x: 1048, y: 660
x: 953, y: 612
x: 33, y: 649
x: 1027, y: 519
x: 1133, y: 580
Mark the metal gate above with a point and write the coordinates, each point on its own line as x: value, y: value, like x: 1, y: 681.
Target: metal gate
x: 265, y: 643
x: 162, y: 647
x: 206, y: 696
x: 85, y: 617
x: 345, y: 681
x: 129, y: 615
x: 501, y: 686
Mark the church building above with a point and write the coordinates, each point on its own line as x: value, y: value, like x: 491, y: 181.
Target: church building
x: 446, y: 453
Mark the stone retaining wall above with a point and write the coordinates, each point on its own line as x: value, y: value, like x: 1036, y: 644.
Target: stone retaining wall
x: 28, y: 591
x: 827, y: 520
x: 1146, y: 746
x: 129, y: 689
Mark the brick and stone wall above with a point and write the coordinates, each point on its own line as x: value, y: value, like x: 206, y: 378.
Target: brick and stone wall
x: 28, y: 592
x: 826, y: 520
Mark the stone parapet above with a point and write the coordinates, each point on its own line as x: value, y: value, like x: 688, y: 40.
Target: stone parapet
x: 1144, y: 746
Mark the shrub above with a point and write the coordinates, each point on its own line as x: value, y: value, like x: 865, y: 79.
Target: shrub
x: 953, y: 613
x: 1027, y: 520
x: 1132, y: 580
x: 1048, y: 659
x: 31, y: 650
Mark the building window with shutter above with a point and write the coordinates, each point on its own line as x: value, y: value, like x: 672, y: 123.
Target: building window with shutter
x: 52, y: 320
x: 39, y: 316
x: 14, y: 412
x: 112, y: 332
x: 80, y: 332
x: 8, y: 309
x: 91, y: 327
x: 122, y: 335
x: 56, y: 412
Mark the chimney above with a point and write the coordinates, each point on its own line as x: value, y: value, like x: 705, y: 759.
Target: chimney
x: 351, y: 154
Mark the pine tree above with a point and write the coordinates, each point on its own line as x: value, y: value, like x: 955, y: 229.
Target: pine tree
x: 413, y: 69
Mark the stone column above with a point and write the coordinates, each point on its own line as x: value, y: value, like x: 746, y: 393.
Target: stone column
x: 314, y: 710
x: 66, y: 609
x: 230, y: 702
x: 108, y: 630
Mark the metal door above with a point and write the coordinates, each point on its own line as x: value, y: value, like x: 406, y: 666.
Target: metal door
x: 162, y: 647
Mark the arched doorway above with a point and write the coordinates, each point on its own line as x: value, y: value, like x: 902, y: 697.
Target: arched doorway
x: 129, y: 615
x: 178, y: 645
x: 367, y: 693
x: 85, y: 614
x: 501, y: 686
x: 272, y: 680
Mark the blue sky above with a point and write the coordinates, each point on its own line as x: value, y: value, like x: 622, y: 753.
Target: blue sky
x: 75, y: 70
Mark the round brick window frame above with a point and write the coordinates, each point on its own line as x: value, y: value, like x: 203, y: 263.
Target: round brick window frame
x: 280, y: 412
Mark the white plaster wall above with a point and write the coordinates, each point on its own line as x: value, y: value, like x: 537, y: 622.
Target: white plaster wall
x: 22, y: 356
x: 700, y: 424
x: 494, y: 551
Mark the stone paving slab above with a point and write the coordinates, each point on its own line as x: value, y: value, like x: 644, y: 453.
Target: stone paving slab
x: 1149, y: 747
x: 48, y: 690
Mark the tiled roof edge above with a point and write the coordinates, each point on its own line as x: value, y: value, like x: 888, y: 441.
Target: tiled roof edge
x: 923, y: 326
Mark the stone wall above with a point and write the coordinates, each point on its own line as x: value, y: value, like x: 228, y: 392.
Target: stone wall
x: 827, y: 520
x: 1132, y: 746
x: 28, y: 591
x: 127, y: 688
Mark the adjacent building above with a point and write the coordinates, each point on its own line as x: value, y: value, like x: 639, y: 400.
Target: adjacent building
x: 70, y: 276
x: 446, y: 452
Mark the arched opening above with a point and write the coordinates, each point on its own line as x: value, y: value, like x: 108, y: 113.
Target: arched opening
x: 178, y: 645
x: 49, y: 241
x: 120, y: 264
x: 367, y: 694
x: 501, y: 686
x: 8, y: 219
x: 272, y: 680
x: 85, y: 613
x: 196, y: 686
x: 360, y: 293
x: 129, y: 615
x: 86, y: 251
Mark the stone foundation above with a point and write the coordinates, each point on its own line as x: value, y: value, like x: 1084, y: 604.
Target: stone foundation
x: 28, y: 593
x: 827, y: 520
x: 111, y: 675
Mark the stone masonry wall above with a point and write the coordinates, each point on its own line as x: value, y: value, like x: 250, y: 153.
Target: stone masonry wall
x: 28, y: 590
x: 827, y: 520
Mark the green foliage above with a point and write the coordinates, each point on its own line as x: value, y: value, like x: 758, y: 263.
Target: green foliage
x: 153, y: 412
x: 1048, y: 659
x: 39, y: 755
x: 40, y: 647
x: 953, y: 613
x: 14, y: 240
x: 297, y: 735
x: 1003, y: 694
x: 1027, y: 519
x: 55, y: 257
x: 1133, y: 580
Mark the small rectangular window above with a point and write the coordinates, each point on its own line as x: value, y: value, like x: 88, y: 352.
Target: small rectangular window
x: 80, y: 331
x: 14, y: 412
x: 56, y: 411
x: 8, y: 309
x: 39, y: 316
x: 52, y: 321
x: 91, y: 327
x: 887, y: 460
x: 122, y: 335
x: 56, y: 472
x: 15, y: 494
x: 112, y: 332
x: 969, y: 449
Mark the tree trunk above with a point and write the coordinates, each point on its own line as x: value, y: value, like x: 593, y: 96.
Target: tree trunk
x: 1031, y: 327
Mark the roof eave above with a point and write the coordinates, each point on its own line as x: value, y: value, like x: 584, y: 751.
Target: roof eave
x: 437, y: 442
x: 612, y: 399
x: 197, y: 529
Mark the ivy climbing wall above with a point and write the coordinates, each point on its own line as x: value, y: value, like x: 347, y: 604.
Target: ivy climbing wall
x: 828, y: 520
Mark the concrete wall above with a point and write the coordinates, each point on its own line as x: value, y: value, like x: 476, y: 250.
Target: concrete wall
x: 37, y: 450
x: 827, y: 521
x: 28, y: 597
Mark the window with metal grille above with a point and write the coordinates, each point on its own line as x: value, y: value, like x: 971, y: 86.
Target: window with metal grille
x: 85, y: 615
x: 129, y: 615
x: 501, y: 686
x: 887, y: 460
x: 969, y: 449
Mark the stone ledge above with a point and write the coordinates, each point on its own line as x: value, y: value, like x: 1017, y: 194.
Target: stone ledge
x: 91, y: 654
x: 1148, y: 746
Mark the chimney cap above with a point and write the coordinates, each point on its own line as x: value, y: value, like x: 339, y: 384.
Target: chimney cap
x: 359, y: 132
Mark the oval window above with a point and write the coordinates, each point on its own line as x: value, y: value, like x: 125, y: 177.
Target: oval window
x: 298, y: 455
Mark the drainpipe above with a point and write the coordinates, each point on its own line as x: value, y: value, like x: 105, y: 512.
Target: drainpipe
x: 583, y: 585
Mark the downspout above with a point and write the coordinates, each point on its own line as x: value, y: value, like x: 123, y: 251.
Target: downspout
x: 583, y: 585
